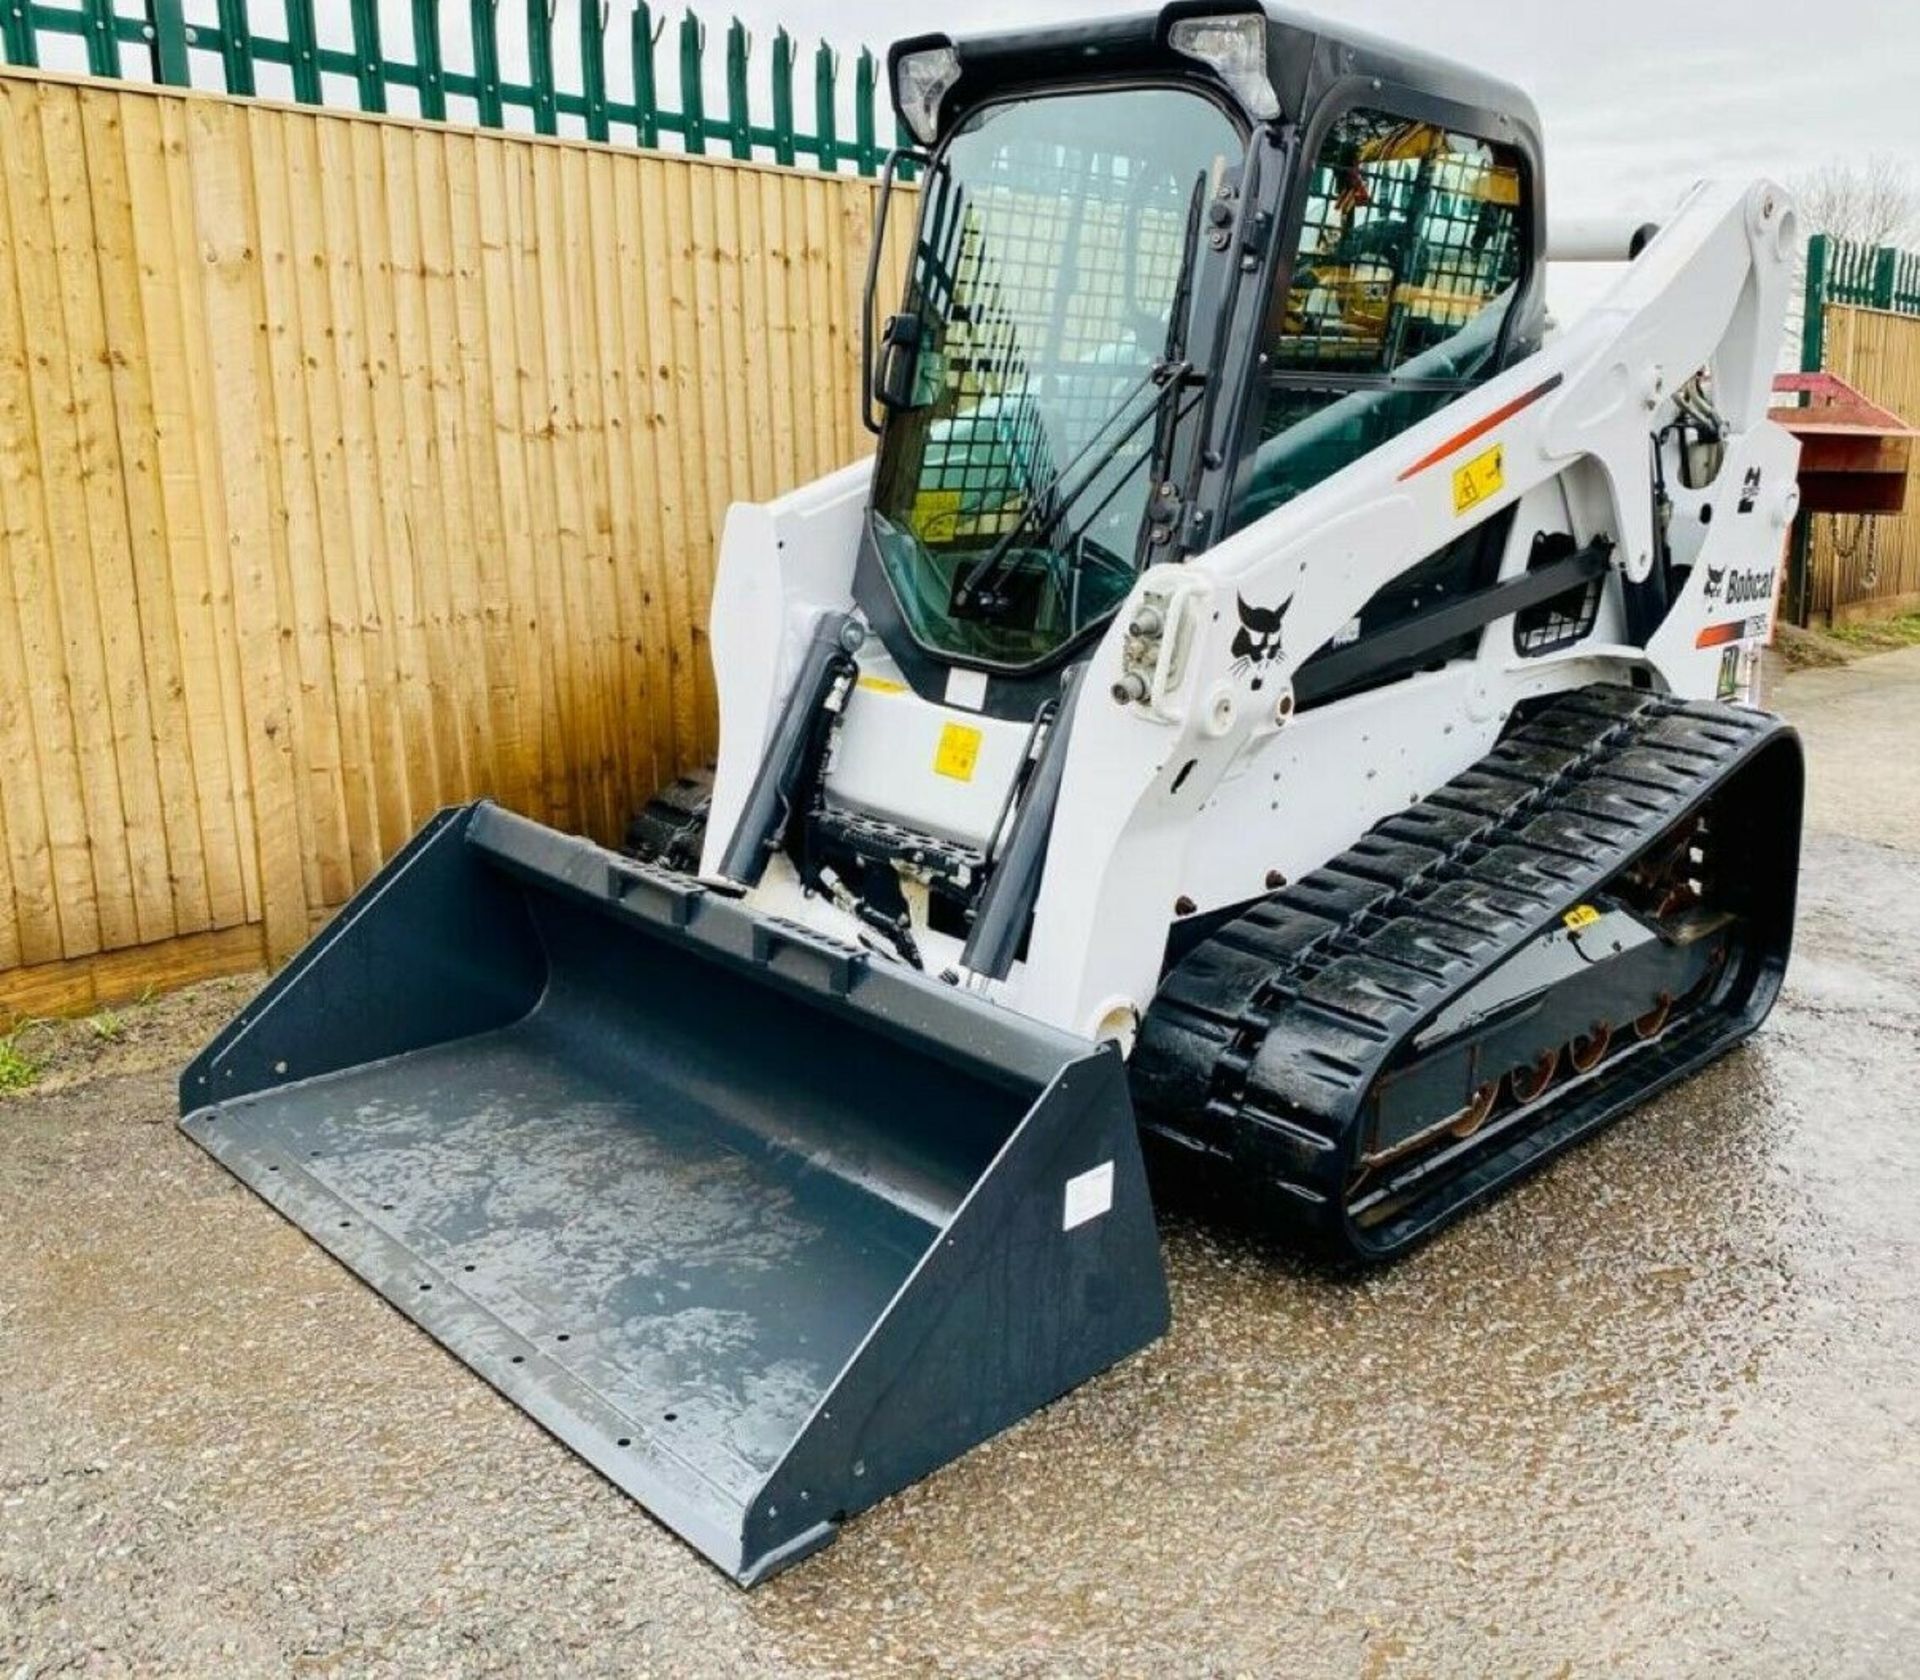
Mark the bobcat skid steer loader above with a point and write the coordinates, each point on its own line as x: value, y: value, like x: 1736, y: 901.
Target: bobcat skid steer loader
x: 1265, y: 696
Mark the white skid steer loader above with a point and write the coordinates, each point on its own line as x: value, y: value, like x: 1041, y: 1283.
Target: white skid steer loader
x: 1265, y: 697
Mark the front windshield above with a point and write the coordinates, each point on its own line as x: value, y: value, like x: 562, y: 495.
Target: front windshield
x: 1053, y: 239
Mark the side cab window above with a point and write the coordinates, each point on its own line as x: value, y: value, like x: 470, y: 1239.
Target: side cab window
x: 1412, y: 247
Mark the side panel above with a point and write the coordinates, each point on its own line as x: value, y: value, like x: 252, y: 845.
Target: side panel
x: 782, y: 564
x: 943, y: 770
x: 1732, y: 589
x: 1049, y: 1274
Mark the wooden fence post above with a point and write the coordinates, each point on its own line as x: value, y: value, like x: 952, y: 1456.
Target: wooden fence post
x: 231, y: 298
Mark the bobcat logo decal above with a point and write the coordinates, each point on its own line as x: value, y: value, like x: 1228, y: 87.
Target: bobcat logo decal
x: 1716, y: 581
x: 1256, y: 644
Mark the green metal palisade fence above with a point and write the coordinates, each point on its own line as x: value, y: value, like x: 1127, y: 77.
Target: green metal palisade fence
x: 1841, y: 271
x: 177, y: 38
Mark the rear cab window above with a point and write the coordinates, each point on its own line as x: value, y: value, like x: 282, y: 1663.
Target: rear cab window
x: 1411, y: 249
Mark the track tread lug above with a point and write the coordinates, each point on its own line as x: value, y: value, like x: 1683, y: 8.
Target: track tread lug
x: 1427, y: 824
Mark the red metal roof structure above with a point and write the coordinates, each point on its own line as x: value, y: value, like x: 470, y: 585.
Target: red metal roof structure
x: 1854, y: 454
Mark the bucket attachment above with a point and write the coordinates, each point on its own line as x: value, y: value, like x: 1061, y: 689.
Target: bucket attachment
x: 761, y: 1229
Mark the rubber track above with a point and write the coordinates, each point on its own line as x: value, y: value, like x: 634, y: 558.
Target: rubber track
x: 1263, y: 1042
x: 670, y: 827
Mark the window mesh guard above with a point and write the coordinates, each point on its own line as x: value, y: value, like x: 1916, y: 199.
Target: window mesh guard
x: 1410, y: 231
x: 1564, y: 620
x: 1409, y: 252
x: 1055, y: 287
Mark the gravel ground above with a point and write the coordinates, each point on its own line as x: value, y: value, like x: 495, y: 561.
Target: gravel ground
x: 1653, y: 1413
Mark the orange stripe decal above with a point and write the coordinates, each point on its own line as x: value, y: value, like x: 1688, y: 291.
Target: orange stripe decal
x: 1717, y: 635
x: 1480, y: 427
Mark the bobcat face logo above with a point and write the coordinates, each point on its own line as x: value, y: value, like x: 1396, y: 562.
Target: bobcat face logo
x: 1716, y: 581
x: 1256, y: 644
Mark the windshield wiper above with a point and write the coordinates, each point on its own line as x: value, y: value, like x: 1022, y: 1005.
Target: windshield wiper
x: 1169, y: 374
x: 972, y: 593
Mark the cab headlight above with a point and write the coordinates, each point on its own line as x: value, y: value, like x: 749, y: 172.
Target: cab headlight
x: 920, y: 81
x: 1235, y: 49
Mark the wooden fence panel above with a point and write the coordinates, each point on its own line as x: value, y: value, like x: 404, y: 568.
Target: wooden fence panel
x: 1862, y: 566
x: 350, y: 467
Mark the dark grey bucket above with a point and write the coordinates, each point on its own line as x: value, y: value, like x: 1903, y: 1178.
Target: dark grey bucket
x: 760, y: 1228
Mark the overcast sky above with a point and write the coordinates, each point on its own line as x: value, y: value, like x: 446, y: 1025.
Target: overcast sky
x: 1639, y: 97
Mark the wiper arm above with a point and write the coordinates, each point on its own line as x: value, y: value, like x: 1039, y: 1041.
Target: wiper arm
x: 1163, y: 378
x: 1177, y: 322
x: 1170, y: 373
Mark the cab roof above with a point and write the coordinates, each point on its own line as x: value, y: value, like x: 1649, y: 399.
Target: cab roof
x: 1307, y: 59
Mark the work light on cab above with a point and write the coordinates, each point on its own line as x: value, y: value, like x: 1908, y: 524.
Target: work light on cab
x: 1235, y: 49
x: 920, y: 81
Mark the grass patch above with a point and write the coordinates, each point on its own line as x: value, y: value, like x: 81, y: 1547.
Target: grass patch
x: 1803, y: 650
x: 1879, y: 635
x: 1809, y: 650
x: 18, y: 1070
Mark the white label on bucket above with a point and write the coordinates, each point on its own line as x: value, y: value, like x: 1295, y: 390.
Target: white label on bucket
x: 1089, y: 1194
x: 966, y: 688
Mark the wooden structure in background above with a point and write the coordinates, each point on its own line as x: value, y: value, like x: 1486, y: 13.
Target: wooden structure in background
x: 1855, y: 456
x: 350, y: 467
x: 1866, y: 564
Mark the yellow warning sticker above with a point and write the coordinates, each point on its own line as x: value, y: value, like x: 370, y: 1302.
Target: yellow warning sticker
x: 1580, y: 916
x: 935, y: 517
x: 1480, y: 478
x: 881, y: 685
x: 958, y: 752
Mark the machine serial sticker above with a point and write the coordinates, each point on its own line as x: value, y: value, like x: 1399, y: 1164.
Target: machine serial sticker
x: 1581, y: 915
x: 1479, y: 478
x: 958, y: 752
x: 882, y: 685
x: 1089, y: 1194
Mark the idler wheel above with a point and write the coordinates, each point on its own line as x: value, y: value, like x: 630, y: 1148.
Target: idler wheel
x: 1527, y: 1083
x: 1474, y: 1115
x: 1650, y: 1024
x: 1586, y: 1050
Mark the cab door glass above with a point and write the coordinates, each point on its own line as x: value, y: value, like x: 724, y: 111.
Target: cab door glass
x: 1054, y: 248
x: 1411, y: 250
